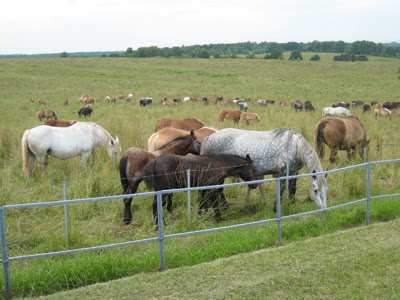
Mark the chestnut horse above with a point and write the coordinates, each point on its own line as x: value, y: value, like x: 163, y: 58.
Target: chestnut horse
x: 133, y: 161
x: 165, y: 135
x: 230, y: 115
x: 57, y: 123
x: 169, y: 172
x: 47, y: 113
x: 247, y: 117
x: 185, y: 124
x: 340, y: 134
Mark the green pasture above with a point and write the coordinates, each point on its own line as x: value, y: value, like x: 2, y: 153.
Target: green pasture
x: 40, y: 230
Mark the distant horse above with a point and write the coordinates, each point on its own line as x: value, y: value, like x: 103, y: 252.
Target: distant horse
x: 271, y: 151
x: 42, y: 102
x: 167, y: 134
x: 86, y: 111
x: 340, y: 134
x: 47, y: 113
x: 185, y: 124
x: 133, y: 161
x: 243, y: 106
x: 57, y: 123
x: 230, y: 115
x: 247, y: 117
x: 66, y: 102
x: 31, y: 101
x: 169, y: 172
x: 65, y: 142
x: 335, y: 111
x: 382, y: 112
x: 298, y: 105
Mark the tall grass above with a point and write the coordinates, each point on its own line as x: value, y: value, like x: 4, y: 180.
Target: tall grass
x: 54, y: 79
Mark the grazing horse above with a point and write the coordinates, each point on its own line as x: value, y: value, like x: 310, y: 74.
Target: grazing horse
x: 382, y: 112
x: 47, y: 113
x: 169, y: 172
x: 233, y: 115
x: 243, y: 106
x: 247, y: 117
x: 42, y: 102
x: 65, y: 142
x: 185, y: 124
x: 57, y: 123
x: 66, y: 102
x: 167, y: 134
x: 133, y: 161
x: 86, y: 111
x: 335, y: 111
x: 340, y: 134
x: 271, y: 151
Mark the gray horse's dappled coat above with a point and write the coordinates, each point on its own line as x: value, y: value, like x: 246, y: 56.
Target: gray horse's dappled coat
x: 270, y: 151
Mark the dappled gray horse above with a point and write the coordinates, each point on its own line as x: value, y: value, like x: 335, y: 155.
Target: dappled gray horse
x: 270, y: 151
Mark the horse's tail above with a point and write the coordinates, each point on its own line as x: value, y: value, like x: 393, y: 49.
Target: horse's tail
x: 123, y: 162
x: 26, y: 154
x: 319, y: 139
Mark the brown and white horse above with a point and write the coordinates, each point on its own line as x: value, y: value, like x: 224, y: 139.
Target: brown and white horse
x: 47, y: 113
x: 382, y: 112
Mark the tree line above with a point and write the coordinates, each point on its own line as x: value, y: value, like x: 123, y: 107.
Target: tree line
x: 272, y: 50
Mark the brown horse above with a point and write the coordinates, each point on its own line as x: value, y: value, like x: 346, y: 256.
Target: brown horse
x: 247, y: 117
x: 340, y: 134
x: 57, y: 123
x: 133, y: 161
x: 382, y: 112
x: 165, y: 135
x: 47, y: 113
x: 42, y: 102
x: 66, y: 102
x: 185, y: 124
x: 169, y: 172
x: 230, y: 115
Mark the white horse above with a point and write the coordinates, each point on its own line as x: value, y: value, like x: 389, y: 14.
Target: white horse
x: 186, y: 99
x: 270, y: 152
x: 335, y: 111
x: 65, y: 142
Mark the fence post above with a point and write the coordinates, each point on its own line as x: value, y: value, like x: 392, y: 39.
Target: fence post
x: 66, y: 213
x: 278, y: 210
x: 287, y: 181
x: 4, y: 255
x: 368, y: 194
x: 189, y: 198
x: 161, y: 231
x: 365, y: 171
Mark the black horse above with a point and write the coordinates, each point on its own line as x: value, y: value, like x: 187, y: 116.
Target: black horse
x: 86, y: 111
x: 169, y: 172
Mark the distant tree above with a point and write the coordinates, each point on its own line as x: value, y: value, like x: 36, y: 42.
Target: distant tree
x: 129, y: 52
x: 177, y: 51
x: 251, y: 55
x: 339, y: 47
x: 316, y: 57
x: 296, y: 55
x: 203, y: 53
x: 217, y: 55
x: 115, y: 54
x: 104, y: 55
x: 64, y: 54
x: 389, y: 52
x: 275, y: 54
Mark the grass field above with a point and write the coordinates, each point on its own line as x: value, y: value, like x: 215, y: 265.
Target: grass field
x: 54, y: 79
x: 358, y: 263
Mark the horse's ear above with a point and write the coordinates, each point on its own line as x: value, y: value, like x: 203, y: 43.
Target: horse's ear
x: 248, y: 158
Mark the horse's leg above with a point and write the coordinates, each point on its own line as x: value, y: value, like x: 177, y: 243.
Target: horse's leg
x: 224, y: 204
x: 332, y: 157
x: 85, y: 158
x: 261, y: 187
x: 169, y: 202
x: 40, y: 161
x: 130, y: 189
x: 31, y: 159
x: 292, y: 187
x: 215, y: 203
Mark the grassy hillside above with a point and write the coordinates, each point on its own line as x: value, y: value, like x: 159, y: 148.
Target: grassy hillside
x: 55, y: 79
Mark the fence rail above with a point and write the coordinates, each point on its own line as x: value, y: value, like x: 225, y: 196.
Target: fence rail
x: 161, y: 237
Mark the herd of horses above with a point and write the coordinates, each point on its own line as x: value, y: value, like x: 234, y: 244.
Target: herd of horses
x: 214, y: 154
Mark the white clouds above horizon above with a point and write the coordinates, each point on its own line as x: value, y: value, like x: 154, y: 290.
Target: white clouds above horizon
x: 88, y: 25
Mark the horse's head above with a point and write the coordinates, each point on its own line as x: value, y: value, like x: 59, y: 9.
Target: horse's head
x: 247, y: 173
x: 196, y: 144
x: 319, y: 190
x: 114, y: 149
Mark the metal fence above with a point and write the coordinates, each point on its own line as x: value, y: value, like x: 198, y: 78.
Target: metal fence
x: 161, y: 237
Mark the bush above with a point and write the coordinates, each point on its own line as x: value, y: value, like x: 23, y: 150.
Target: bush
x: 316, y: 57
x: 296, y: 55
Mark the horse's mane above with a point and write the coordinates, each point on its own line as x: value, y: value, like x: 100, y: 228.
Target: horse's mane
x: 97, y: 125
x: 306, y: 153
x: 175, y: 140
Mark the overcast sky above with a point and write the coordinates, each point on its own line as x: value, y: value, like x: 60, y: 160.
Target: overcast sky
x: 48, y: 26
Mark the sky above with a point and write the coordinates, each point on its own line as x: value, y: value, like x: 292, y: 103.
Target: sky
x: 54, y: 26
